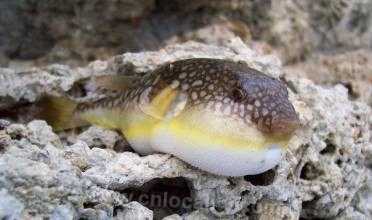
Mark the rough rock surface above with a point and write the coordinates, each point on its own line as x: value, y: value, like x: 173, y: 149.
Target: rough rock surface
x: 351, y: 68
x: 82, y: 31
x: 325, y: 174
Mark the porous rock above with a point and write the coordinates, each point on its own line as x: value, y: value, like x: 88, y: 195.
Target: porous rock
x: 349, y: 68
x: 97, y: 136
x: 325, y: 173
x: 134, y: 210
x: 79, y: 32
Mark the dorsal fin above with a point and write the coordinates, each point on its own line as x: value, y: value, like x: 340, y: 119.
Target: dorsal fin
x: 114, y: 82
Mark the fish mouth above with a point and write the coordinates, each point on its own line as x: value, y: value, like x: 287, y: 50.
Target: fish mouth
x: 280, y: 130
x: 285, y: 126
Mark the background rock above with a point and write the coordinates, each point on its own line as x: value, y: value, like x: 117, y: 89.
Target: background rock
x: 77, y: 32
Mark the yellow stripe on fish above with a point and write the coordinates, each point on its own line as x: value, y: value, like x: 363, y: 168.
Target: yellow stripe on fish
x: 183, y: 130
x: 181, y: 127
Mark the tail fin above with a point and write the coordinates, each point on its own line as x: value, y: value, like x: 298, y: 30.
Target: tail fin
x: 58, y: 112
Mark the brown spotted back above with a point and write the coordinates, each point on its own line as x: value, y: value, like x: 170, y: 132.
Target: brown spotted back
x: 227, y: 88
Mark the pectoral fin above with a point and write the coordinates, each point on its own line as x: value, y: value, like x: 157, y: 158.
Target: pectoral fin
x: 167, y: 104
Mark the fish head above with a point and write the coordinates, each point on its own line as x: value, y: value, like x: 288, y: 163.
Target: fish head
x: 236, y: 120
x: 237, y: 94
x: 266, y: 103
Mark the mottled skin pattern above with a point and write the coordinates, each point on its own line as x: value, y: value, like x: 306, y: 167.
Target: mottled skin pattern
x: 227, y: 87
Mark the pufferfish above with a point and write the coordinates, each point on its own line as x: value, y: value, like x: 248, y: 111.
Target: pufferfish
x: 217, y: 115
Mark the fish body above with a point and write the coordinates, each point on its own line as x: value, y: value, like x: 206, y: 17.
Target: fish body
x: 220, y: 116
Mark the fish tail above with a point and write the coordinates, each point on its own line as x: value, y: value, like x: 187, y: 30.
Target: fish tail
x: 58, y: 112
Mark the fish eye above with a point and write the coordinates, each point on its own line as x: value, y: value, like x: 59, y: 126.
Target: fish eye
x: 237, y: 94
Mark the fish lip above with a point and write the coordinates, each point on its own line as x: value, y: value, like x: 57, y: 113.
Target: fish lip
x: 281, y: 127
x: 286, y: 127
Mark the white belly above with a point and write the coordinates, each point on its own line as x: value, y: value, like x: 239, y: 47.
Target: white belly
x: 214, y: 158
